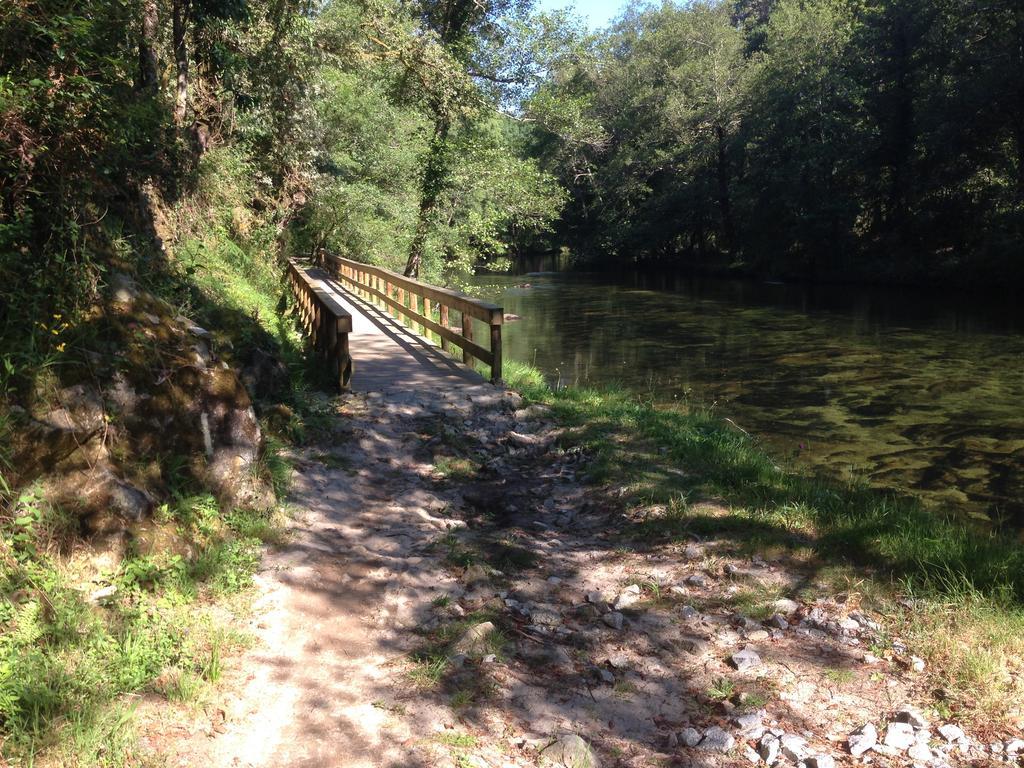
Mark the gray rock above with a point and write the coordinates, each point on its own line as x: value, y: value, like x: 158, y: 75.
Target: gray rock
x: 745, y: 659
x: 671, y: 741
x: 475, y: 640
x: 697, y: 580
x: 862, y: 739
x: 690, y: 737
x: 570, y: 751
x: 751, y: 724
x: 717, y: 740
x: 952, y: 732
x: 779, y: 621
x: 900, y: 736
x: 613, y: 619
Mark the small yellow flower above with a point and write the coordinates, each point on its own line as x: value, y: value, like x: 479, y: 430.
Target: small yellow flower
x: 60, y: 347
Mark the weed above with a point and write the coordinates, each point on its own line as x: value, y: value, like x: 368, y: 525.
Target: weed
x: 840, y: 677
x: 721, y: 689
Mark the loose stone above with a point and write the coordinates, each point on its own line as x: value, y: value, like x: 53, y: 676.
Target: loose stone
x: 745, y: 659
x: 821, y: 761
x: 793, y: 747
x: 696, y: 580
x: 952, y: 732
x: 613, y: 619
x: 717, y: 740
x: 900, y: 736
x: 769, y: 748
x: 690, y: 737
x: 862, y: 739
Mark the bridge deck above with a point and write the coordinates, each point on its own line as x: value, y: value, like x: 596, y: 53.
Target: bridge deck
x: 389, y: 357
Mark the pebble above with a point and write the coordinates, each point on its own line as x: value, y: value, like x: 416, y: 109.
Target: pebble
x: 745, y: 659
x: 613, y: 619
x: 821, y: 761
x: 900, y: 736
x: 779, y: 621
x: 696, y: 580
x: 917, y: 663
x: 862, y: 739
x: 689, y: 612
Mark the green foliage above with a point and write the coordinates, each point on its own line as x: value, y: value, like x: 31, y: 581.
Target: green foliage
x: 835, y: 139
x: 64, y: 659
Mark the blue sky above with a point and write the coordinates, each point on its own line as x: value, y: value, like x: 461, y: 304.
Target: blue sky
x: 597, y: 12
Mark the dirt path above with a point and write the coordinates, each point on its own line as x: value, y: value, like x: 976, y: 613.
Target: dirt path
x: 454, y: 596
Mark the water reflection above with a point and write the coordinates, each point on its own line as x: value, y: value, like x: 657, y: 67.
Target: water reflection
x: 911, y: 393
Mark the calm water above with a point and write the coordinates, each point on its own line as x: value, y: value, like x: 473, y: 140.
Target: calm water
x: 913, y: 394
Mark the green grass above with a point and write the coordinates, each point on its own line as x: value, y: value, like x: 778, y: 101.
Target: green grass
x: 718, y: 482
x: 65, y: 661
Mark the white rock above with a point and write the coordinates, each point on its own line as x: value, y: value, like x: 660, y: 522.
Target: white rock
x: 821, y: 761
x: 920, y: 752
x: 952, y: 732
x: 917, y: 663
x: 628, y: 597
x: 862, y: 739
x: 900, y: 736
x: 1015, y: 747
x: 793, y: 747
x: 752, y: 757
x: 769, y: 748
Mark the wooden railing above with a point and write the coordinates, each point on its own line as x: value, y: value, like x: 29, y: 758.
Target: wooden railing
x: 326, y: 321
x: 420, y: 303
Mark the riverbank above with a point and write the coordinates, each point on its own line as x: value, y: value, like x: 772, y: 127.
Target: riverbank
x: 953, y: 591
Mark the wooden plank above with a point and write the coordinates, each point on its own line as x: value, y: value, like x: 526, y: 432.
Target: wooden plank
x: 467, y: 333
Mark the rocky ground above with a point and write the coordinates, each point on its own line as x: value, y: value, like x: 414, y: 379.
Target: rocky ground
x: 453, y: 594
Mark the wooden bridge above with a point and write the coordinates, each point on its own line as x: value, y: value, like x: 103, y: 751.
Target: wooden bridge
x: 379, y: 330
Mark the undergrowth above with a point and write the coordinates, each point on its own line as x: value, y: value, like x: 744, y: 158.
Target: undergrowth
x: 964, y: 583
x: 71, y: 650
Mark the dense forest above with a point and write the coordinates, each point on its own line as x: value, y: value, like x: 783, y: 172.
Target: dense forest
x: 836, y: 139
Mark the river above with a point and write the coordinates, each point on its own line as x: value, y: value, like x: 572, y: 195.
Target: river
x: 913, y: 393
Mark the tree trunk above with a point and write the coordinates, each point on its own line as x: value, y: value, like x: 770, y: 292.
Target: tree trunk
x: 724, y: 201
x: 180, y: 11
x: 433, y: 181
x: 148, y: 66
